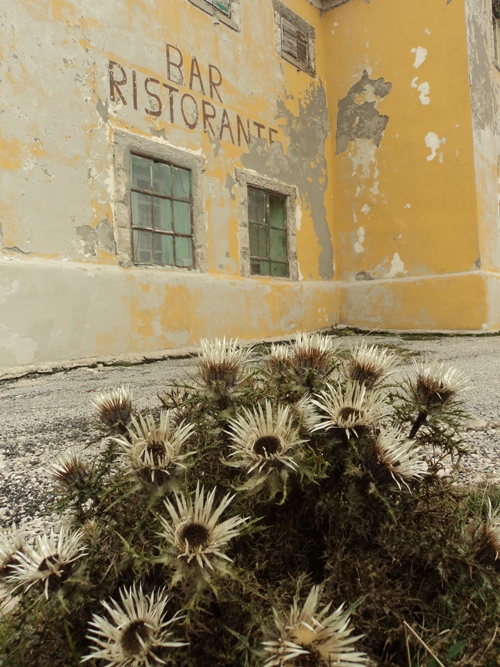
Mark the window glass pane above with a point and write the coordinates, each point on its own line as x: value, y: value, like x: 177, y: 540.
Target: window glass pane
x: 264, y: 269
x: 141, y: 177
x: 182, y: 217
x: 255, y: 268
x: 253, y: 231
x: 181, y: 183
x: 256, y: 205
x: 143, y: 246
x: 161, y: 178
x: 183, y: 251
x: 277, y: 238
x: 276, y: 211
x: 164, y: 249
x: 223, y: 5
x: 162, y: 214
x: 262, y: 242
x: 279, y: 270
x: 141, y: 210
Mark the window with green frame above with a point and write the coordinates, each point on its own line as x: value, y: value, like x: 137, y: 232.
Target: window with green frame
x: 267, y: 233
x: 223, y: 6
x: 162, y: 228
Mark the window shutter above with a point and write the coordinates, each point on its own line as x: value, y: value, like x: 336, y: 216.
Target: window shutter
x: 294, y: 41
x: 223, y: 6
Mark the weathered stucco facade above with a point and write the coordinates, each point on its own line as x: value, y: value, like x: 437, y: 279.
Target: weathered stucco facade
x: 384, y: 146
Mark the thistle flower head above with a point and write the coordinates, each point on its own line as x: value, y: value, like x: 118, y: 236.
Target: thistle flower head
x: 492, y: 530
x: 437, y: 385
x: 49, y: 562
x: 114, y: 406
x: 349, y: 409
x: 305, y: 413
x: 264, y: 438
x: 312, y: 637
x: 369, y: 365
x: 137, y: 634
x: 193, y: 535
x: 69, y: 470
x: 153, y: 450
x: 12, y: 542
x: 398, y: 457
x: 279, y: 358
x: 313, y: 351
x: 221, y: 363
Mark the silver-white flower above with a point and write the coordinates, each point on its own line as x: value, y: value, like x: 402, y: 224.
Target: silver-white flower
x: 12, y: 542
x: 114, y: 406
x: 194, y: 535
x: 437, y: 385
x: 69, y: 470
x: 222, y: 363
x: 312, y: 637
x: 399, y: 457
x: 154, y: 450
x: 137, y: 634
x: 49, y: 562
x: 313, y: 351
x: 369, y: 365
x: 264, y: 439
x: 492, y: 529
x: 349, y: 409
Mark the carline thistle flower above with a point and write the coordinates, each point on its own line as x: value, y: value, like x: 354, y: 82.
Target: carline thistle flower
x: 436, y: 386
x: 12, y: 542
x: 154, y: 451
x: 264, y: 439
x: 398, y: 457
x: 313, y: 351
x: 222, y: 364
x: 350, y: 410
x: 49, y: 563
x: 194, y: 536
x: 492, y: 530
x: 69, y: 470
x: 114, y: 406
x: 369, y: 365
x: 137, y: 634
x: 311, y: 637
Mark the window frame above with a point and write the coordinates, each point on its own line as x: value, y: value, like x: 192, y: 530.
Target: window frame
x: 232, y: 20
x: 283, y: 16
x: 250, y: 179
x: 126, y: 144
x: 157, y: 231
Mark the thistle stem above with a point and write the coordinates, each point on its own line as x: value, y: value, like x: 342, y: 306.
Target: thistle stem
x: 419, y: 421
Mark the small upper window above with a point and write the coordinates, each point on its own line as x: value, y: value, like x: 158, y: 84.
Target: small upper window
x: 223, y: 11
x: 162, y: 231
x: 267, y: 233
x: 294, y: 38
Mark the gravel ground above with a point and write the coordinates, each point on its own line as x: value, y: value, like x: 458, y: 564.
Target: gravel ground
x: 41, y: 415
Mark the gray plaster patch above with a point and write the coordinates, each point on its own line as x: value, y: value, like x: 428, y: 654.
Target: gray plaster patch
x: 307, y: 133
x: 102, y: 236
x: 1, y: 237
x: 362, y: 119
x: 102, y: 110
x: 229, y: 185
x: 483, y: 95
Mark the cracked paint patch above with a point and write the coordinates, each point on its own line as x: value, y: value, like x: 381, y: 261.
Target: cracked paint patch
x: 358, y: 115
x: 424, y: 89
x: 433, y: 142
x: 358, y: 246
x: 397, y: 267
x: 102, y: 236
x: 420, y: 56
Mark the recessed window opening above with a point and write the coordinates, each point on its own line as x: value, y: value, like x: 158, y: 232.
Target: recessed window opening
x: 162, y: 226
x: 495, y: 6
x: 267, y: 233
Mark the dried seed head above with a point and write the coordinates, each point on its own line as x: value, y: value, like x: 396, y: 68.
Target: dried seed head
x: 222, y: 364
x: 313, y: 351
x: 369, y: 365
x: 69, y: 470
x: 437, y: 386
x: 399, y: 457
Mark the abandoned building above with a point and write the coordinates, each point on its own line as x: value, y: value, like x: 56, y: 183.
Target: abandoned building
x: 182, y: 169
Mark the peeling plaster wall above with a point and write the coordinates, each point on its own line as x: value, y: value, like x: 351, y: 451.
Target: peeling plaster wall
x: 484, y: 77
x: 84, y: 74
x: 404, y: 188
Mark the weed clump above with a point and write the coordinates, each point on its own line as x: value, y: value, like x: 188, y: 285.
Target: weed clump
x: 291, y: 511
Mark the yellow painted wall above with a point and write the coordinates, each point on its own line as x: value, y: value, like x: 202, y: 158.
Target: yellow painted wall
x: 405, y: 210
